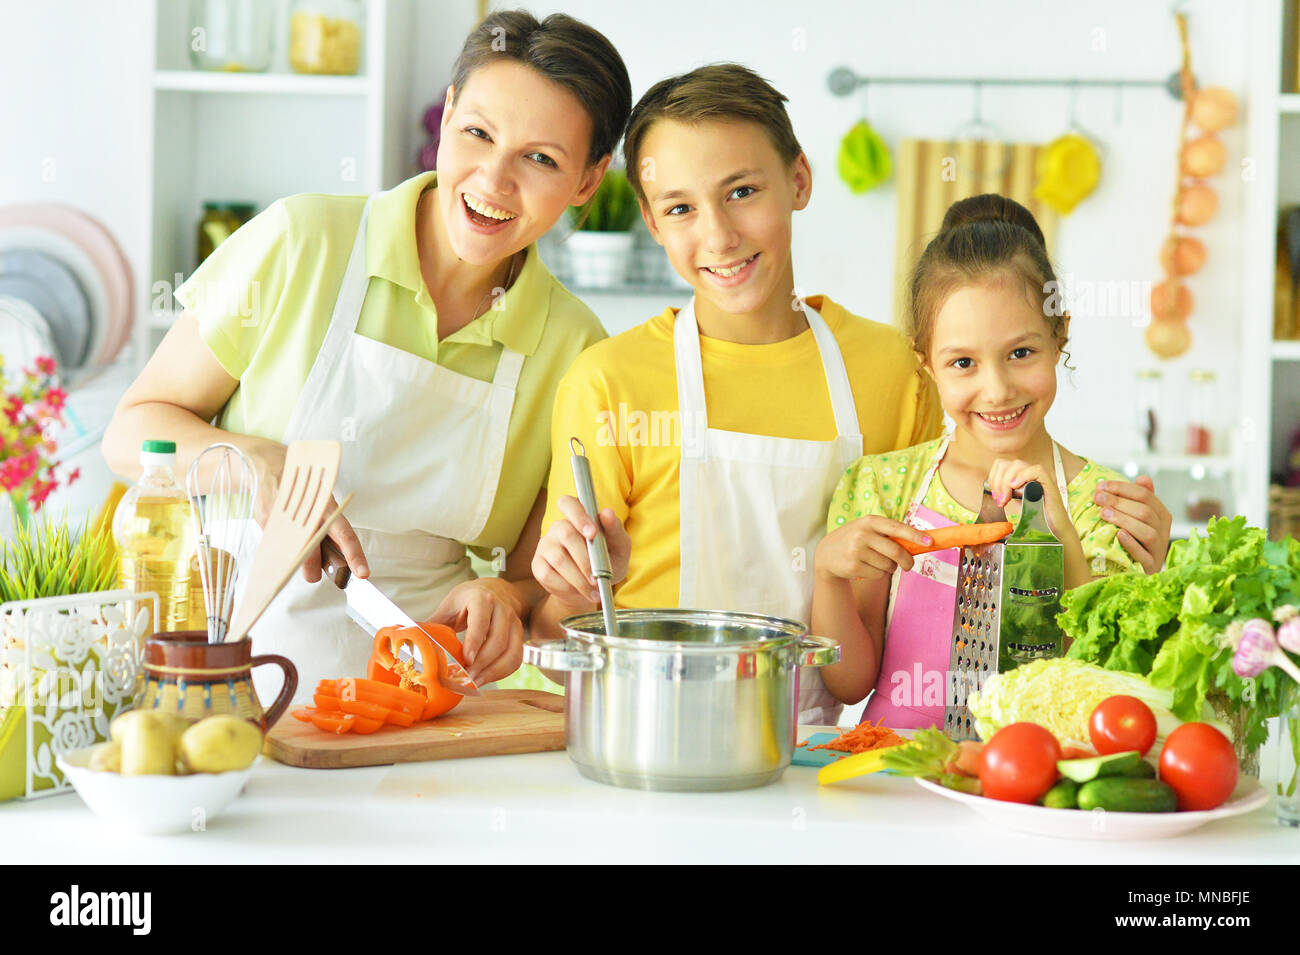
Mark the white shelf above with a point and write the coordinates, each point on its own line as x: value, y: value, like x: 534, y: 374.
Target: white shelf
x: 1286, y: 351
x: 1212, y: 464
x: 200, y: 81
x: 1289, y: 104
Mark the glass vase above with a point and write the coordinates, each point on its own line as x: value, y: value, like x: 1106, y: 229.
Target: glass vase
x: 1288, y: 765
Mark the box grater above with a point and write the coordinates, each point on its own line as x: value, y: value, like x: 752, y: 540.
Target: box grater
x: 1008, y: 596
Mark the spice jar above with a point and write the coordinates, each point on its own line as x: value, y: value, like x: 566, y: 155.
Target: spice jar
x: 325, y: 36
x: 1146, y: 415
x: 1200, y: 413
x: 231, y: 35
x: 219, y: 220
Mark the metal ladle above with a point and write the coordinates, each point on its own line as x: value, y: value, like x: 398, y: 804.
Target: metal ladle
x: 597, y: 551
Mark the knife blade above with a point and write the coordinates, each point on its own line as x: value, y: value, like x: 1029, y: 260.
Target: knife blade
x: 372, y: 610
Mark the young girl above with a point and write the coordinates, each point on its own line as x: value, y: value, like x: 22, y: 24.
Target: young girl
x: 983, y: 332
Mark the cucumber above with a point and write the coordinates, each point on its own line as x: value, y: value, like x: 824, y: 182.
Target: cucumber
x: 1064, y: 795
x: 1127, y: 795
x: 1143, y: 770
x: 1096, y: 767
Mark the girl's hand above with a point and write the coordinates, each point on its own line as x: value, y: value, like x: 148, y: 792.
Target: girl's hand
x: 1143, y: 521
x: 864, y: 549
x: 488, y: 611
x: 562, y: 565
x: 1007, y: 476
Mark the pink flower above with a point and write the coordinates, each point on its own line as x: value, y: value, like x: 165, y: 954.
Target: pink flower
x: 13, y: 408
x: 56, y: 398
x: 45, y: 364
x: 40, y: 491
x: 76, y: 473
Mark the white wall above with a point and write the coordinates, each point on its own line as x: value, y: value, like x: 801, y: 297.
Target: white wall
x: 73, y: 119
x: 844, y: 244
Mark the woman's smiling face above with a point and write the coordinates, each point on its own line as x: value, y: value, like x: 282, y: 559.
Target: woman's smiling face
x: 993, y: 357
x: 511, y: 159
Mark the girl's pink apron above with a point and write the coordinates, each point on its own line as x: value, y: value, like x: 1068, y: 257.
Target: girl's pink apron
x: 911, y: 690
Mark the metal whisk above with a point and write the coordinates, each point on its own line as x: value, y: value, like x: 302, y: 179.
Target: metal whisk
x: 222, y: 516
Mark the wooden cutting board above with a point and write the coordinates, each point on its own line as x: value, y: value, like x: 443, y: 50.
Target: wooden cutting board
x: 497, y: 723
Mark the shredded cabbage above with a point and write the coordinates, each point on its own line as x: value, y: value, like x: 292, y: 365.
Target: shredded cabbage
x: 1060, y: 695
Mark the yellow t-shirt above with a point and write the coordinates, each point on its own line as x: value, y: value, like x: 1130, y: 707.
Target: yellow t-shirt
x: 264, y: 298
x: 620, y: 400
x: 885, y: 484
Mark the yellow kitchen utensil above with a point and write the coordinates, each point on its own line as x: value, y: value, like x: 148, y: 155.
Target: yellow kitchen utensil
x: 859, y: 764
x: 1068, y: 170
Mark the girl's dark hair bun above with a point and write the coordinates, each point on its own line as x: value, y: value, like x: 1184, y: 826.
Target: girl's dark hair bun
x: 994, y: 208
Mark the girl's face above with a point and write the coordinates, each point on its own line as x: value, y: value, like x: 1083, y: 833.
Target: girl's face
x: 511, y: 159
x: 993, y: 358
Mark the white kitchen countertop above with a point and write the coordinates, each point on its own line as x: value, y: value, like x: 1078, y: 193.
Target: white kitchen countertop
x: 538, y: 808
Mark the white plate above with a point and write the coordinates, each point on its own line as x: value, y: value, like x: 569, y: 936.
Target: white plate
x: 1076, y: 824
x: 79, y: 263
x: 24, y: 335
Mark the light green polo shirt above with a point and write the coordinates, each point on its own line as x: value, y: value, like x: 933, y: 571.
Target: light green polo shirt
x: 264, y: 297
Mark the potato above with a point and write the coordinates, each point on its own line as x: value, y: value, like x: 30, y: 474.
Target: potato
x: 148, y: 743
x: 220, y: 744
x: 106, y: 758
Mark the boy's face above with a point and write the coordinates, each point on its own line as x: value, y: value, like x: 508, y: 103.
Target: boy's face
x: 719, y: 199
x: 993, y: 358
x: 512, y: 158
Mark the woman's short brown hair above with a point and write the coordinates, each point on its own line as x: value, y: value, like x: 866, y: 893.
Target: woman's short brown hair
x: 719, y: 92
x: 565, y: 51
x: 982, y: 238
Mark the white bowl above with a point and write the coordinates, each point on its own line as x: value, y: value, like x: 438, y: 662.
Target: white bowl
x: 152, y: 805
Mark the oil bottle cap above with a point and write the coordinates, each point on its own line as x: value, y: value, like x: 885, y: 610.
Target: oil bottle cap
x: 159, y: 447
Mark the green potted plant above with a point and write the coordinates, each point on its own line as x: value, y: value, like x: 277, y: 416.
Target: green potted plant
x: 69, y: 647
x: 600, y: 248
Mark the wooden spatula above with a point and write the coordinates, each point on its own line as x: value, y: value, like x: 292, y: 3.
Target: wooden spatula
x: 310, y: 468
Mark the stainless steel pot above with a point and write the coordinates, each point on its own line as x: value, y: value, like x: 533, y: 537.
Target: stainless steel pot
x: 682, y: 699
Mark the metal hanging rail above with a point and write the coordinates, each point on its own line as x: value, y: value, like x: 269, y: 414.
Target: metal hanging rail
x: 843, y: 82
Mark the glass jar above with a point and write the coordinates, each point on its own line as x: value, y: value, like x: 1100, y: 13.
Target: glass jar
x: 219, y: 220
x: 325, y: 36
x: 1200, y: 412
x: 1288, y: 764
x: 234, y: 36
x: 1147, y: 414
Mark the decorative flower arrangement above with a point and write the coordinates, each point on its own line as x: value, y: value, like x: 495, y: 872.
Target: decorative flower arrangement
x: 1257, y: 647
x: 30, y: 411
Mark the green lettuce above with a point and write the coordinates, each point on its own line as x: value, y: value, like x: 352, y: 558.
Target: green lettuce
x: 1168, y: 626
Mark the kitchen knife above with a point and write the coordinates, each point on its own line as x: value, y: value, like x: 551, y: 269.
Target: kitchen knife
x: 368, y: 606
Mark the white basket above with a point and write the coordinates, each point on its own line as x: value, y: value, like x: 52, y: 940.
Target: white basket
x: 68, y: 664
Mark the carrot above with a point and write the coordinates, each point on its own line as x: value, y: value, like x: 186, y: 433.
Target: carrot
x: 960, y: 535
x: 863, y: 738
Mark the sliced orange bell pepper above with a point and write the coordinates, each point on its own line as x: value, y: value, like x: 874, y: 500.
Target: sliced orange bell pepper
x: 428, y: 642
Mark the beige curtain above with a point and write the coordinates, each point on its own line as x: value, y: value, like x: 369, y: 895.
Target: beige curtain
x: 931, y: 175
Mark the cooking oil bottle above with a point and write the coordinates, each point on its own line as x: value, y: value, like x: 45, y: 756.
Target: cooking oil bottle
x: 154, y: 529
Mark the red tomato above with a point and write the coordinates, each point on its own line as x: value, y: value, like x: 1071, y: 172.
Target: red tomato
x: 1120, y: 724
x: 1199, y: 764
x: 1019, y: 763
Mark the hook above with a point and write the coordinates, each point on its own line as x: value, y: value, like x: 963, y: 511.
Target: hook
x: 979, y: 103
x: 865, y: 101
x: 1119, y: 104
x: 1074, y: 103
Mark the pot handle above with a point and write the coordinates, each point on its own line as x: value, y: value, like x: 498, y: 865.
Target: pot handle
x: 818, y: 651
x: 560, y: 655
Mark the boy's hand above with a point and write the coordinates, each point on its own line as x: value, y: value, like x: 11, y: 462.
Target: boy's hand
x: 562, y: 565
x: 864, y: 549
x: 1007, y: 476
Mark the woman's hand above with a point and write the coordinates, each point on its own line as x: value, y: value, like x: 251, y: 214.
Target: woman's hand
x: 1007, y: 476
x: 488, y: 611
x: 562, y: 565
x: 1143, y: 521
x: 864, y: 549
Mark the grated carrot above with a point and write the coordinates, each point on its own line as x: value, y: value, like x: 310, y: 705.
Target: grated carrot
x: 863, y: 738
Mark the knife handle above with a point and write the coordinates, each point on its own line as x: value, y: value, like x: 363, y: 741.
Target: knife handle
x: 333, y: 564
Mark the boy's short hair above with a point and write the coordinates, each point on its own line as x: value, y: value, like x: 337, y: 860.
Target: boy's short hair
x: 719, y: 92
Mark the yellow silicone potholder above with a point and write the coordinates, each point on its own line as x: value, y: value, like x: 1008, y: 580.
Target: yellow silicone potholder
x: 1068, y: 169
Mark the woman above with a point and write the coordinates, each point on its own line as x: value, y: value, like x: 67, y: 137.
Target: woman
x: 420, y: 329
